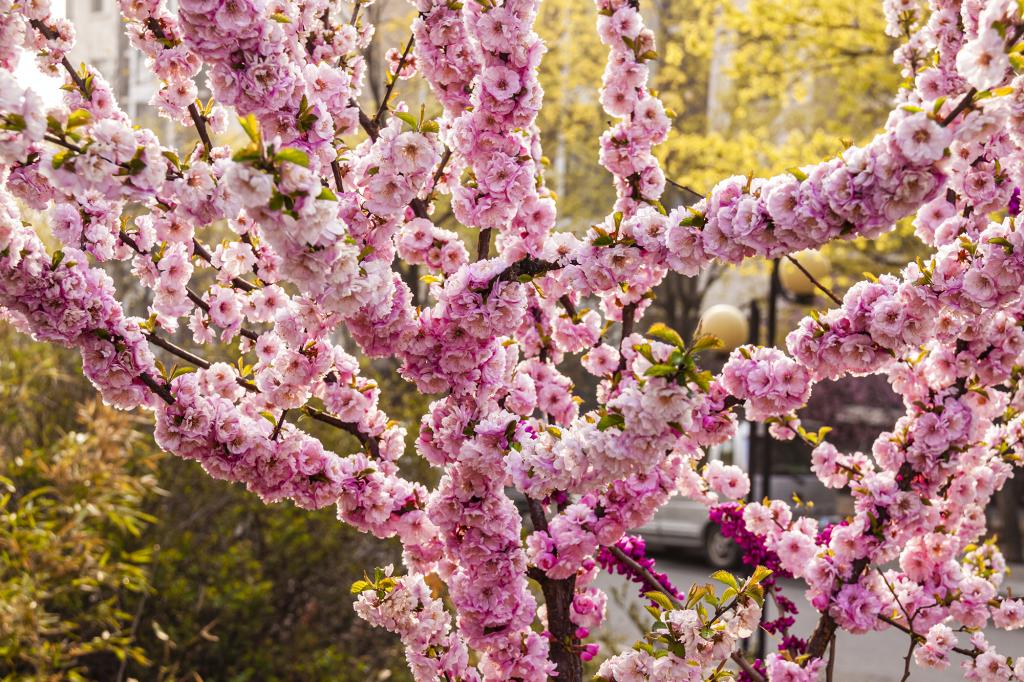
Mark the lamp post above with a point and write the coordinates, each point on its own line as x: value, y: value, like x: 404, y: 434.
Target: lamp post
x: 787, y: 281
x: 796, y: 284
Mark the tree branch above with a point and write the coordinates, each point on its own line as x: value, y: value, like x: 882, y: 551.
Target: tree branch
x: 383, y: 106
x: 742, y: 662
x: 644, y: 574
x: 483, y: 243
x: 824, y: 289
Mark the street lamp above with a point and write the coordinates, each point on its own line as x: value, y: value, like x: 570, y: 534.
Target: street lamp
x: 796, y: 281
x: 727, y: 323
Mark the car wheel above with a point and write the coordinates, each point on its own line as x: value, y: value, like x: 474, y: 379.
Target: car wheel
x: 720, y: 551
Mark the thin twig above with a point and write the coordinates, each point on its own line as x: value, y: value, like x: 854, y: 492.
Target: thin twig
x: 628, y: 318
x: 900, y: 626
x: 336, y: 170
x: 192, y: 295
x: 279, y: 425
x: 742, y: 662
x: 391, y: 85
x: 204, y: 253
x: 200, y: 122
x: 824, y: 289
x: 644, y: 574
x: 157, y: 388
x: 906, y: 660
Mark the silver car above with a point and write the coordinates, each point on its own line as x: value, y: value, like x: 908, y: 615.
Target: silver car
x: 684, y: 524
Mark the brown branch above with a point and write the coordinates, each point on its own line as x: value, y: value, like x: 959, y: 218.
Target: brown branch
x: 192, y: 295
x: 967, y: 100
x: 200, y: 122
x: 826, y: 628
x: 742, y: 662
x: 628, y: 319
x: 558, y: 596
x: 383, y: 106
x: 830, y: 669
x: 63, y: 143
x: 50, y: 34
x: 279, y: 425
x: 178, y: 351
x: 644, y: 574
x: 204, y: 253
x: 900, y: 626
x: 157, y: 388
x: 336, y: 170
x: 824, y: 289
x: 570, y: 307
x: 483, y: 243
x: 369, y: 441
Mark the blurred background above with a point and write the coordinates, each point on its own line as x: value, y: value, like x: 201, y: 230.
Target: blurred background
x: 118, y: 562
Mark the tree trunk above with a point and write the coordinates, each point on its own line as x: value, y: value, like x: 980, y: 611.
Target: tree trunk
x: 1010, y: 539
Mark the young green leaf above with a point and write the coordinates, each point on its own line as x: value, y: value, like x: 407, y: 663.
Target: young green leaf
x: 292, y: 155
x: 663, y: 332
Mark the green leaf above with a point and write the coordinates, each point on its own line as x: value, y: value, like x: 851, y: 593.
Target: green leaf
x: 726, y: 578
x: 702, y: 379
x: 604, y: 240
x: 292, y: 155
x: 60, y: 158
x: 360, y: 586
x: 251, y: 127
x: 760, y: 573
x: 797, y: 173
x: 706, y: 342
x: 280, y: 18
x: 611, y: 419
x: 246, y: 155
x: 430, y: 127
x: 644, y: 349
x: 663, y: 332
x: 58, y: 256
x: 78, y: 117
x: 660, y: 370
x: 327, y: 195
x: 661, y: 599
x: 181, y: 370
x: 408, y: 118
x: 1003, y: 242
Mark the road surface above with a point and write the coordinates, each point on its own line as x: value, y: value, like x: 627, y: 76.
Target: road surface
x: 873, y: 657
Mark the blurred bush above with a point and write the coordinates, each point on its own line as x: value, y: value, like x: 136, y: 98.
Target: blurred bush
x: 106, y: 576
x: 73, y: 559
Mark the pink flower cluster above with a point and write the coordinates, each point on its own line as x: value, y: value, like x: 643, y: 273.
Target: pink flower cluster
x: 444, y: 54
x: 407, y: 607
x: 496, y: 137
x: 317, y: 218
x: 155, y: 32
x: 771, y: 383
x: 626, y: 147
x: 420, y: 242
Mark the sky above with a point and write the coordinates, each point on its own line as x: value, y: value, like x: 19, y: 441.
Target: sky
x: 47, y: 87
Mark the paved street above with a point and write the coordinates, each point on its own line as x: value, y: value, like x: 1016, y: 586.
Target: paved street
x: 874, y: 657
